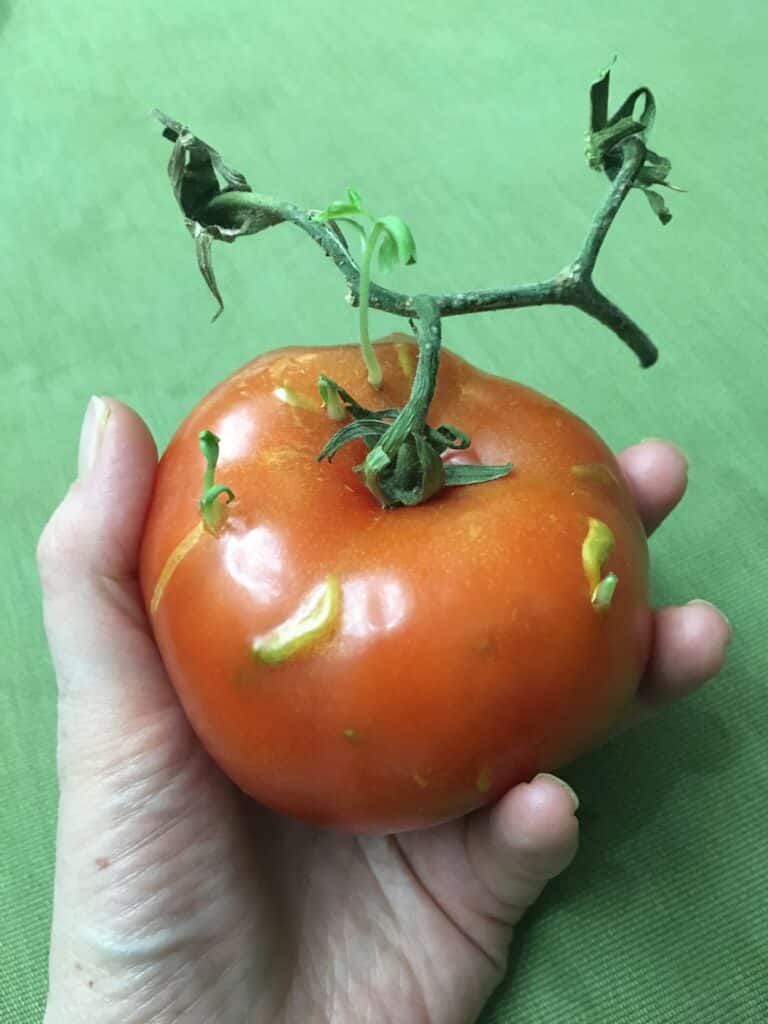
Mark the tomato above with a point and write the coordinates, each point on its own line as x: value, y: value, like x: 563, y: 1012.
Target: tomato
x: 380, y: 670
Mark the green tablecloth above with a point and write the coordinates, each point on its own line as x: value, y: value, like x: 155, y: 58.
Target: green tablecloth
x: 468, y: 118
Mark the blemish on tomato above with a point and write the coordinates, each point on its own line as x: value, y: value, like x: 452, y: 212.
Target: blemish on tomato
x: 485, y: 643
x: 595, y: 471
x: 474, y: 532
x: 405, y: 357
x: 419, y: 779
x: 282, y: 453
x: 484, y: 779
x: 351, y: 735
x: 172, y: 563
x: 313, y: 621
x: 297, y: 399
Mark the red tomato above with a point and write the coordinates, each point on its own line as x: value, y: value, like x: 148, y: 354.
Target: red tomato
x: 381, y: 670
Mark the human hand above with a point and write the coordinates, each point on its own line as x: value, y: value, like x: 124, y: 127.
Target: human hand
x: 178, y: 899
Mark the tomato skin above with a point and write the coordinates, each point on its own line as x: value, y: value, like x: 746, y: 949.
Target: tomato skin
x: 465, y: 654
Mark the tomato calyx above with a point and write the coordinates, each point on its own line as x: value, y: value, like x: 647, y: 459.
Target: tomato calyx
x: 415, y: 471
x: 404, y: 465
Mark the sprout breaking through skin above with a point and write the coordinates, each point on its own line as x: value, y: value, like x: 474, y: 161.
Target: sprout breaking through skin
x: 212, y: 511
x: 396, y: 245
x: 595, y: 552
x: 314, y: 620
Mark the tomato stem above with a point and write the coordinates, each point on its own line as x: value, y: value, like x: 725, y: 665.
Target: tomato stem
x: 616, y: 145
x: 212, y: 512
x: 404, y: 465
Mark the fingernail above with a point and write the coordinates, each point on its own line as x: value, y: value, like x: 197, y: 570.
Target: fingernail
x: 720, y: 612
x: 664, y: 440
x: 561, y: 782
x: 92, y: 435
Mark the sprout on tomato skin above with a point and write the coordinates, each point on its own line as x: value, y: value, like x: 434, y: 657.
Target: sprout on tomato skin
x: 212, y: 512
x: 313, y: 621
x: 395, y: 243
x: 329, y: 393
x: 603, y: 592
x: 595, y: 552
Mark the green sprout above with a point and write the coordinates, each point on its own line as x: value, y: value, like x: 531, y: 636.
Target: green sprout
x: 212, y: 511
x: 395, y: 244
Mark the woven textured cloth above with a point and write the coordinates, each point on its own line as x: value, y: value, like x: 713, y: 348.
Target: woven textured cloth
x: 468, y: 118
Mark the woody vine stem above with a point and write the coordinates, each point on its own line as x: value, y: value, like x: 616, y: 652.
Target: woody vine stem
x: 403, y: 466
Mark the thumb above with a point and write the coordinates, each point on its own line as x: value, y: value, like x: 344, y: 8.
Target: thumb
x: 136, y: 789
x: 519, y: 844
x: 96, y: 530
x: 114, y: 695
x: 87, y: 561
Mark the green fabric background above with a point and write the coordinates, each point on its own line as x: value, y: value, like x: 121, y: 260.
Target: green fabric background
x: 467, y: 118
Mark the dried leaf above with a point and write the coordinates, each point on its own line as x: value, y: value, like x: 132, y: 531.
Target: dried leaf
x: 203, y: 241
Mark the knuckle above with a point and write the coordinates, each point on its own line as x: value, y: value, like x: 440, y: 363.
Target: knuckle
x: 56, y: 544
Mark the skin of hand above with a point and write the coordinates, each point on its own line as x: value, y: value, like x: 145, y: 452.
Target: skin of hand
x: 178, y: 899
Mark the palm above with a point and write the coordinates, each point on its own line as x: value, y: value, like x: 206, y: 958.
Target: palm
x: 276, y: 919
x: 178, y: 899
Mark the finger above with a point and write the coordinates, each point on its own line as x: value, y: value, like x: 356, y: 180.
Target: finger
x: 656, y: 473
x: 522, y: 842
x: 689, y: 648
x: 136, y: 788
x: 116, y: 705
x: 87, y: 558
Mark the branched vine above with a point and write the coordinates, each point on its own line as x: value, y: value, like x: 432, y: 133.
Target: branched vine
x: 403, y: 465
